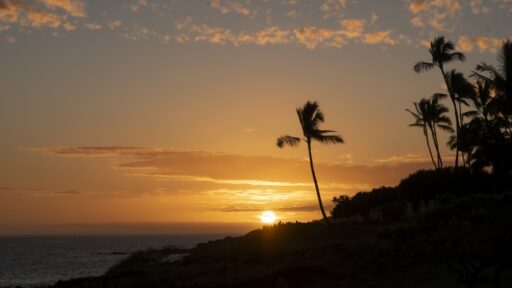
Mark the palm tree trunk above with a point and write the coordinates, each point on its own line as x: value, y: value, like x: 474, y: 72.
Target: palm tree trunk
x: 457, y: 124
x: 461, y: 123
x: 436, y: 144
x: 316, y: 183
x: 425, y: 132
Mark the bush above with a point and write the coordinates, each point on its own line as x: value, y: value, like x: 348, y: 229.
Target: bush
x: 419, y: 188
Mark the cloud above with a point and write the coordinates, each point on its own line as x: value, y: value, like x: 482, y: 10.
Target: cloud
x: 226, y: 7
x: 311, y: 37
x: 435, y: 13
x: 69, y: 26
x: 478, y: 7
x: 484, y: 44
x: 418, y: 6
x: 74, y: 8
x: 42, y: 13
x: 189, y: 31
x: 22, y: 191
x: 379, y: 37
x: 136, y: 6
x: 136, y: 32
x: 93, y: 26
x: 505, y: 5
x: 465, y: 44
x: 332, y: 7
x: 310, y: 208
x: 353, y: 28
x: 113, y: 25
x: 408, y: 158
x: 235, y: 169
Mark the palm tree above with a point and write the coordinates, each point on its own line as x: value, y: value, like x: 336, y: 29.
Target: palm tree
x: 310, y: 118
x: 462, y: 91
x: 500, y: 78
x: 483, y: 101
x: 439, y: 120
x: 422, y: 118
x: 431, y: 114
x: 443, y: 52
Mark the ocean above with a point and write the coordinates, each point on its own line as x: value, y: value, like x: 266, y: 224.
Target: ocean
x: 29, y: 261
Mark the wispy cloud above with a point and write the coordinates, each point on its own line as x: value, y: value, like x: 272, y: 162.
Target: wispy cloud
x: 235, y: 169
x: 23, y: 191
x: 75, y: 8
x: 226, y: 7
x: 483, y: 44
x: 44, y: 13
x: 332, y: 8
x: 434, y: 13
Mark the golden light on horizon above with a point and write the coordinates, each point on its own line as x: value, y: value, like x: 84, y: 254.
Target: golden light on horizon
x: 268, y: 217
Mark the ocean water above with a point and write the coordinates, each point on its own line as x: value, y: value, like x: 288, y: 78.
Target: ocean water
x: 29, y: 261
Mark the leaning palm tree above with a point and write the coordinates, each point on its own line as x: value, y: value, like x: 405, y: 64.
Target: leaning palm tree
x: 310, y: 118
x: 422, y: 119
x: 443, y: 52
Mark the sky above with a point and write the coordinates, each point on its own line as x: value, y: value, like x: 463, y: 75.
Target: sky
x: 146, y: 115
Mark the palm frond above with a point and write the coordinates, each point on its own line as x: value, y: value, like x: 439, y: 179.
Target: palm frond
x: 328, y: 139
x: 287, y: 140
x: 446, y: 128
x: 423, y: 66
x: 456, y: 56
x: 487, y: 68
x: 439, y: 96
x: 470, y: 114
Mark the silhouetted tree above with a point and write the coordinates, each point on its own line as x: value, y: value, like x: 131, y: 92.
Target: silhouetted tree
x: 501, y: 77
x: 310, y: 118
x: 463, y: 92
x: 431, y: 114
x: 422, y: 118
x: 439, y: 120
x: 443, y: 52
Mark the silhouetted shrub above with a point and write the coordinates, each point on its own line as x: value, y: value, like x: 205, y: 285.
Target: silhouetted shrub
x: 363, y: 202
x: 417, y: 190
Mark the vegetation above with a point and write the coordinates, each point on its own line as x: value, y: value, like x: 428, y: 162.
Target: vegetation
x: 442, y: 53
x: 310, y: 118
x: 485, y: 140
x: 462, y: 241
x: 429, y: 113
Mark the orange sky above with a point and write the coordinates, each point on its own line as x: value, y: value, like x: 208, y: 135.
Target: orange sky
x: 167, y: 112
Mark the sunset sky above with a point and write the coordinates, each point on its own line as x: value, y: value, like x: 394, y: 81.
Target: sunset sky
x: 150, y: 111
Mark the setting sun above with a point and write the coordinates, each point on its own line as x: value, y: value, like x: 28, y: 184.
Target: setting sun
x: 268, y: 217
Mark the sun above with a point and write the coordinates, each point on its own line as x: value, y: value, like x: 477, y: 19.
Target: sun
x: 268, y: 217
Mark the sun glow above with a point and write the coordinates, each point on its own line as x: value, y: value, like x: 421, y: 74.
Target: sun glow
x: 268, y: 217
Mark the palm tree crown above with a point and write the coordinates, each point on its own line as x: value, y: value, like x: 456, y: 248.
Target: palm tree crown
x: 442, y: 52
x: 310, y: 118
x: 500, y: 77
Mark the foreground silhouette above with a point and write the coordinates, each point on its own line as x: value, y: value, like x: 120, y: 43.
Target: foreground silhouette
x: 310, y: 118
x: 458, y: 235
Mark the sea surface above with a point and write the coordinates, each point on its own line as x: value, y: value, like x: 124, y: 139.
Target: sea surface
x: 29, y: 261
